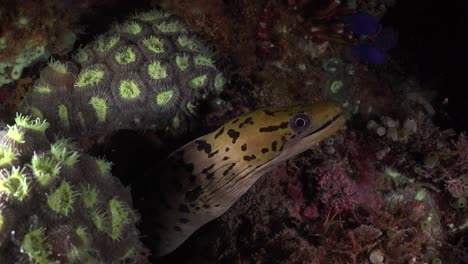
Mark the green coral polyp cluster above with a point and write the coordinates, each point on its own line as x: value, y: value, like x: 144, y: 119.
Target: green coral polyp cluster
x: 164, y: 97
x: 149, y: 16
x: 26, y: 122
x: 182, y: 62
x: 203, y: 61
x: 61, y: 199
x: 104, y: 166
x: 125, y: 56
x: 170, y: 27
x: 157, y: 71
x: 89, y: 77
x: 100, y: 108
x: 105, y: 44
x: 119, y: 217
x: 89, y: 196
x: 7, y: 156
x: 45, y: 169
x: 74, y: 208
x: 42, y: 89
x: 154, y: 44
x: 81, y: 56
x: 99, y: 219
x: 132, y: 27
x: 219, y: 82
x: 15, y: 183
x: 65, y: 152
x: 63, y: 115
x: 15, y: 133
x: 35, y: 246
x: 128, y: 89
x: 58, y: 66
x: 198, y: 81
x: 188, y: 43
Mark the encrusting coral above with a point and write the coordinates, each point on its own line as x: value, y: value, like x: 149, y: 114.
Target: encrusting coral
x: 148, y: 72
x: 59, y: 205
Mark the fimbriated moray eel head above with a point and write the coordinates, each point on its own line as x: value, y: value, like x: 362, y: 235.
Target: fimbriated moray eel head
x: 206, y: 176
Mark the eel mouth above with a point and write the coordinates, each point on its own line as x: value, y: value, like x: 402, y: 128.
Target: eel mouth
x: 326, y: 124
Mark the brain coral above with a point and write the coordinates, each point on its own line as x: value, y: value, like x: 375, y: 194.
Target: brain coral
x: 148, y: 72
x: 59, y: 205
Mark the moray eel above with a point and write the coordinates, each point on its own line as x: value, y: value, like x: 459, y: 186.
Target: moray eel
x: 205, y: 177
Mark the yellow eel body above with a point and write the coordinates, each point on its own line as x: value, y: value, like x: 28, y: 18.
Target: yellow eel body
x: 205, y: 177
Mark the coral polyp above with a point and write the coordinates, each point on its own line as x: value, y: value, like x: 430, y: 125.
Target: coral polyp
x: 54, y: 216
x: 126, y: 72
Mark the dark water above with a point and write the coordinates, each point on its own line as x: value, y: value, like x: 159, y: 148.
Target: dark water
x: 433, y: 46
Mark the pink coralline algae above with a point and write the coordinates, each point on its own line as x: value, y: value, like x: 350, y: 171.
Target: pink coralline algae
x: 339, y: 193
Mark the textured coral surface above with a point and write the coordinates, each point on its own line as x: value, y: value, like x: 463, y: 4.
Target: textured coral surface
x: 391, y: 189
x: 59, y: 205
x: 148, y: 72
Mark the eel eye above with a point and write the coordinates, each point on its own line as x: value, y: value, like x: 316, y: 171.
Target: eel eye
x: 300, y: 122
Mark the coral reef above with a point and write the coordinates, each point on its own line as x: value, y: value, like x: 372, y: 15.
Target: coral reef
x: 148, y: 72
x: 59, y: 205
x: 391, y: 189
x: 26, y: 37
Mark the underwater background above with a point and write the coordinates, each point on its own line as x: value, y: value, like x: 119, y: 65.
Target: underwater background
x: 95, y: 95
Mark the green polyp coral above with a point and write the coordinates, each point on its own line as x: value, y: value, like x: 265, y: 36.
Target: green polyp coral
x: 191, y: 108
x: 170, y: 27
x: 61, y: 199
x: 420, y: 195
x: 100, y: 108
x: 119, y: 217
x: 219, y: 82
x: 104, y: 166
x: 65, y: 152
x: 89, y: 196
x: 203, y: 61
x: 14, y: 183
x: 105, y: 44
x: 151, y: 15
x: 392, y: 173
x: 128, y: 254
x: 128, y: 89
x: 132, y: 27
x: 58, y: 66
x: 42, y: 89
x: 63, y: 115
x: 157, y: 71
x: 35, y: 246
x: 188, y: 43
x: 81, y: 56
x: 15, y: 133
x: 34, y: 111
x: 26, y: 122
x: 182, y: 62
x: 125, y: 56
x: 164, y: 97
x: 336, y: 86
x: 99, y: 219
x: 89, y: 77
x: 198, y: 81
x: 7, y: 156
x: 45, y: 169
x: 154, y: 44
